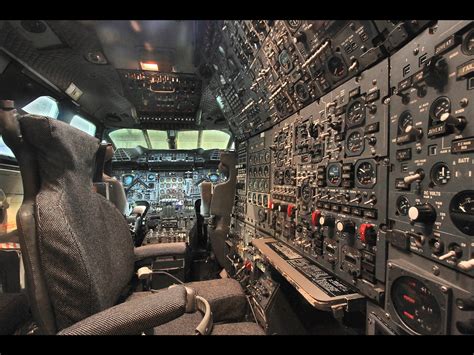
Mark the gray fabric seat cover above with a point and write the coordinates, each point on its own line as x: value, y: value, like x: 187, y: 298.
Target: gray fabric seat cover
x: 85, y: 247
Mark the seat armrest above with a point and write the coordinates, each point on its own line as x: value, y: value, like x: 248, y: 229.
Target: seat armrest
x: 135, y: 316
x: 154, y: 250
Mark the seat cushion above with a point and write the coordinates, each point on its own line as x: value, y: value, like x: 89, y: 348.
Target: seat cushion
x: 13, y: 312
x: 226, y: 297
x: 244, y: 328
x: 184, y: 325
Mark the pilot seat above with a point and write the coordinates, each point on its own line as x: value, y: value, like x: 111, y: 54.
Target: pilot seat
x: 79, y: 258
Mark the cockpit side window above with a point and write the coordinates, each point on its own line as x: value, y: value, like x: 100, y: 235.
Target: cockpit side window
x: 44, y: 106
x: 83, y: 124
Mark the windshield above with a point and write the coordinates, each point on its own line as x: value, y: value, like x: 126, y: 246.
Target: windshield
x: 162, y: 139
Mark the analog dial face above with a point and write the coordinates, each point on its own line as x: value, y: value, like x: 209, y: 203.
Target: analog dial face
x: 461, y: 211
x: 416, y: 305
x: 438, y: 107
x: 334, y: 174
x: 355, y: 143
x: 405, y: 120
x: 294, y: 24
x: 306, y: 191
x: 302, y: 92
x: 468, y: 43
x: 366, y: 174
x: 127, y: 180
x: 213, y: 177
x: 440, y: 174
x: 403, y: 205
x: 355, y: 114
x: 336, y: 66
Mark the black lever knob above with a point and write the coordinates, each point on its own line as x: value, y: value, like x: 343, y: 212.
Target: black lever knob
x: 435, y: 72
x: 327, y: 221
x: 453, y: 122
x: 424, y: 213
x: 346, y: 226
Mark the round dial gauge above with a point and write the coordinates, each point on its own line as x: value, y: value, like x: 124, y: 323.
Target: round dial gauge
x: 405, y: 120
x: 302, y: 91
x: 285, y: 60
x: 416, y: 305
x: 334, y: 174
x: 403, y: 205
x: 365, y: 174
x: 438, y: 107
x: 355, y: 143
x: 127, y: 180
x: 468, y: 43
x: 355, y: 113
x: 461, y: 210
x: 213, y: 177
x: 294, y: 24
x: 440, y: 174
x: 151, y: 177
x: 336, y: 66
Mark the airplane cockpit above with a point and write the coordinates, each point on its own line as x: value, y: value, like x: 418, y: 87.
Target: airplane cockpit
x: 236, y: 177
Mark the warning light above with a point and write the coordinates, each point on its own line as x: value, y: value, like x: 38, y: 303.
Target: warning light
x: 151, y: 66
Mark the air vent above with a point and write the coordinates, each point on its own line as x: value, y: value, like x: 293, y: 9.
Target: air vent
x: 96, y: 58
x: 34, y: 26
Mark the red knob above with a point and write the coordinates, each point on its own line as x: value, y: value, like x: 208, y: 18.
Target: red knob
x: 290, y: 210
x: 315, y: 218
x: 367, y: 233
x: 248, y: 265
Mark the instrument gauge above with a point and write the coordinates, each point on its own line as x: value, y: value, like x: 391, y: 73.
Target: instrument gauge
x: 440, y: 174
x: 213, y: 177
x: 355, y: 113
x: 336, y: 66
x: 294, y: 24
x: 461, y: 211
x: 355, y: 143
x: 403, y: 205
x: 151, y: 177
x: 334, y: 174
x: 441, y: 105
x: 416, y: 305
x: 366, y: 175
x: 285, y: 61
x: 127, y: 180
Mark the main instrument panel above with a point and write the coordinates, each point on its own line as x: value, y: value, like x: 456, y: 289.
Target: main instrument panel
x: 356, y: 152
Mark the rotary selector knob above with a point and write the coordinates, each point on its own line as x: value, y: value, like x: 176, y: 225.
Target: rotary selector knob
x: 346, y: 226
x: 435, y: 72
x: 414, y: 134
x: 327, y: 221
x: 367, y: 233
x: 424, y: 213
x: 315, y: 217
x: 453, y: 122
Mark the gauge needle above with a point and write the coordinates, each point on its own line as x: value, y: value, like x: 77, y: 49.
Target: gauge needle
x: 462, y: 209
x: 362, y: 170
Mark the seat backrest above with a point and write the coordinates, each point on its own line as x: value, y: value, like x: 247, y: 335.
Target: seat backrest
x: 112, y: 189
x: 221, y: 206
x: 78, y: 246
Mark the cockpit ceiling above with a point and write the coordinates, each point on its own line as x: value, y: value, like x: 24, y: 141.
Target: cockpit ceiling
x: 82, y: 60
x: 169, y: 43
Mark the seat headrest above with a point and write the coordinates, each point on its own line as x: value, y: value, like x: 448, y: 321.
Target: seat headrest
x: 59, y: 146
